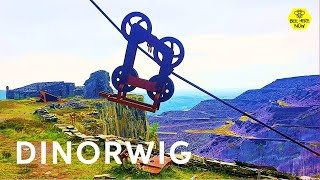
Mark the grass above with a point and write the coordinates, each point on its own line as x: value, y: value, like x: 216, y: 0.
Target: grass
x: 222, y: 130
x: 131, y: 171
x: 18, y: 109
x: 282, y: 103
x: 18, y: 123
x: 244, y: 118
x: 24, y: 130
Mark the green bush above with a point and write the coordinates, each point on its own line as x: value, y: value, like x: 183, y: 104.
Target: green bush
x: 6, y: 155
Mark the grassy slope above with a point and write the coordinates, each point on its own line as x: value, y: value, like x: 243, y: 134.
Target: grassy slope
x: 17, y: 123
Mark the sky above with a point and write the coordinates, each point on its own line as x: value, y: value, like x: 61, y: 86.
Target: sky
x: 229, y: 44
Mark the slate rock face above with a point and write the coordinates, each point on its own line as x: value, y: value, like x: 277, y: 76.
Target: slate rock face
x: 99, y: 81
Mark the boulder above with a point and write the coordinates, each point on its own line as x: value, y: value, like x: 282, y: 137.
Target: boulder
x: 46, y: 116
x: 51, y: 119
x: 99, y: 81
x: 41, y: 111
x: 70, y: 127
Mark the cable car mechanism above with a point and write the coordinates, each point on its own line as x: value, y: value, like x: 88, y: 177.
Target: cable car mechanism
x: 159, y: 95
x: 168, y: 53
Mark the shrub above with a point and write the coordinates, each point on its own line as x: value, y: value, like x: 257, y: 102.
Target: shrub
x: 6, y: 155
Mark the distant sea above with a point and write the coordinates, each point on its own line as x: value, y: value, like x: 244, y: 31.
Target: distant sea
x: 186, y: 100
x: 2, y: 94
x: 181, y: 100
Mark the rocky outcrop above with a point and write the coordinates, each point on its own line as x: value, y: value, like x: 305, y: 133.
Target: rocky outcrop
x: 60, y: 89
x: 99, y: 81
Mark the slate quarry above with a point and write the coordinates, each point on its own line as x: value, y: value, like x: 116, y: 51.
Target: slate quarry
x: 291, y: 105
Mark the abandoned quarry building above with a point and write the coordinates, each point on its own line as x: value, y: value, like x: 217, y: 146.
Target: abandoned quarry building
x: 60, y: 88
x: 97, y: 82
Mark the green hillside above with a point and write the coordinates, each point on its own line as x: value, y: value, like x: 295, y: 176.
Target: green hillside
x: 19, y: 123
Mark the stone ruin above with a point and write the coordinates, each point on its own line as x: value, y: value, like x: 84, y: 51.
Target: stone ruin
x: 98, y: 81
x: 61, y: 89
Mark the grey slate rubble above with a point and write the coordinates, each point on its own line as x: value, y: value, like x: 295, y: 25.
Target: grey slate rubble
x: 54, y: 106
x: 46, y: 116
x: 75, y: 104
x: 41, y: 111
x: 50, y: 118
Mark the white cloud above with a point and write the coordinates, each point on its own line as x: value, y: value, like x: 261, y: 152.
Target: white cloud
x: 75, y: 42
x: 220, y: 61
x: 212, y: 61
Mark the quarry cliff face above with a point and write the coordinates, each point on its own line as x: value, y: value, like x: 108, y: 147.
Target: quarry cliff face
x: 98, y: 81
x: 125, y: 121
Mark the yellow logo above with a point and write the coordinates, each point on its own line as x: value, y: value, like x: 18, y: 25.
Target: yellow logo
x: 299, y: 18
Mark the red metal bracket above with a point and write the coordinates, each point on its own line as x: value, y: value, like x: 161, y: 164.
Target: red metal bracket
x: 131, y: 103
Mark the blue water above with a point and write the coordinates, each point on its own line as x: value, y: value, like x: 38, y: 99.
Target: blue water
x: 2, y: 94
x: 185, y: 100
x: 178, y: 103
